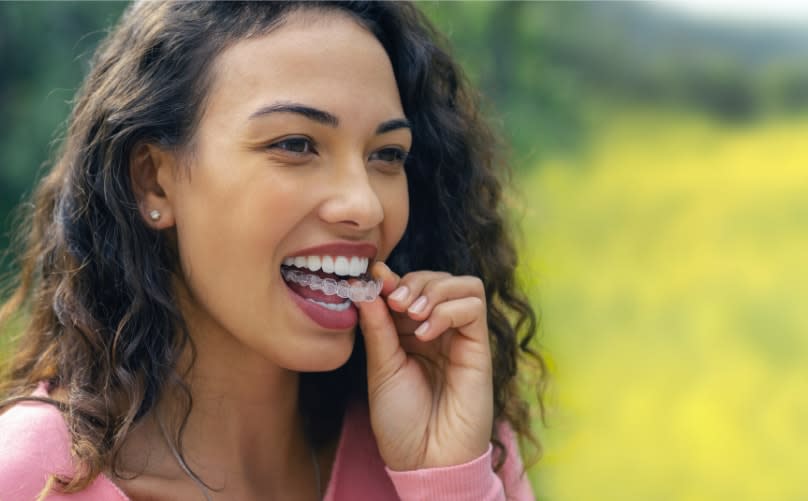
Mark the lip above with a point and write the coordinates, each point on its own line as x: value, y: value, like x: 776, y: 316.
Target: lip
x: 348, y: 249
x: 323, y: 317
x: 327, y: 319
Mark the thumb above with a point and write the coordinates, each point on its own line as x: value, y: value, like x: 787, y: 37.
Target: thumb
x: 384, y: 353
x: 382, y: 348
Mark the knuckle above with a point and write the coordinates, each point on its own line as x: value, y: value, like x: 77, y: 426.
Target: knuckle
x: 412, y: 283
x: 475, y: 285
x: 476, y: 303
x: 435, y: 287
x: 441, y: 310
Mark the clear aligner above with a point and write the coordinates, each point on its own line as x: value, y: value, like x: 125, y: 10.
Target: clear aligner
x: 359, y: 291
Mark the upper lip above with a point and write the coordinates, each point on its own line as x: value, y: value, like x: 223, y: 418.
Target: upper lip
x: 348, y: 249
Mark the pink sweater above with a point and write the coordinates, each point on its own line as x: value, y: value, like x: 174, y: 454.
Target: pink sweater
x: 34, y: 443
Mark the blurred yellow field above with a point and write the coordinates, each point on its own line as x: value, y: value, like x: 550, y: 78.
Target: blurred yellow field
x: 668, y: 263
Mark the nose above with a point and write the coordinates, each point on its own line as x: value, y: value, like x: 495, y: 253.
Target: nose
x: 352, y: 200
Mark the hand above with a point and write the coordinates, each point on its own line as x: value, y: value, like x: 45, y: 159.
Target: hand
x: 430, y: 394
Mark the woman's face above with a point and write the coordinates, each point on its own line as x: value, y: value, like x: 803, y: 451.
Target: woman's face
x: 301, y: 145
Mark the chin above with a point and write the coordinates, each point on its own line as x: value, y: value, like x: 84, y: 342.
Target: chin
x: 328, y: 353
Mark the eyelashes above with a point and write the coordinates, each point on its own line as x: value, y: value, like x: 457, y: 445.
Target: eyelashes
x: 390, y: 154
x: 295, y: 145
x: 301, y: 148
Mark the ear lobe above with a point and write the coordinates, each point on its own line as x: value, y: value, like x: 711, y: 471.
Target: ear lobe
x: 152, y: 188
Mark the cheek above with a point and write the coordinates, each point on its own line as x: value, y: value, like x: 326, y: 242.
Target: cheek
x: 396, y: 204
x: 228, y: 238
x: 272, y: 206
x: 228, y: 231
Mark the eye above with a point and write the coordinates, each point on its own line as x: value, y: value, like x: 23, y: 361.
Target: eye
x: 295, y: 145
x: 390, y: 155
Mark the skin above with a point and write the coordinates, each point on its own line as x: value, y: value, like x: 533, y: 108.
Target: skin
x: 252, y: 192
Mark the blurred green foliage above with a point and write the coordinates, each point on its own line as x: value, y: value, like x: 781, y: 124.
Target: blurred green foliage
x: 545, y: 64
x: 45, y: 49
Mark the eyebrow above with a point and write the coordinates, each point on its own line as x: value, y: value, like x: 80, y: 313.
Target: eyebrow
x: 396, y: 123
x: 324, y: 117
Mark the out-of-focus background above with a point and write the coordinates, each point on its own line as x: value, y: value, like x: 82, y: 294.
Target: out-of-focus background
x: 662, y: 191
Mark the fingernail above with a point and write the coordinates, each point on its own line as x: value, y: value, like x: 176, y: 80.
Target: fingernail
x: 418, y: 305
x: 400, y: 294
x: 422, y: 329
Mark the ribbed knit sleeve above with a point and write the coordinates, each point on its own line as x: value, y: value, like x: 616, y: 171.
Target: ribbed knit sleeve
x: 472, y: 481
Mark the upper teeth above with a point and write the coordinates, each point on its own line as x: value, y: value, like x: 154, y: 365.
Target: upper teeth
x: 341, y: 265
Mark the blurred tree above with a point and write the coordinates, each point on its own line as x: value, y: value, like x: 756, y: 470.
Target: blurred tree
x: 44, y: 52
x: 544, y: 64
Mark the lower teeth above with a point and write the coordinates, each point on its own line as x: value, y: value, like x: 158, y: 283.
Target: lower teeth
x: 358, y: 291
x: 333, y: 307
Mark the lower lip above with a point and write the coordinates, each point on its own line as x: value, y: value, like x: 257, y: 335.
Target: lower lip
x: 328, y: 319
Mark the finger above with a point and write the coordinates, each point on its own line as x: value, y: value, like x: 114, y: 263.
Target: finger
x: 441, y: 290
x: 405, y: 326
x: 390, y: 279
x: 414, y: 345
x: 467, y: 315
x: 410, y: 287
x: 382, y: 347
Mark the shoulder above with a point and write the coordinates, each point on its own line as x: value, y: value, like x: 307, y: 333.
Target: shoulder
x: 35, y: 444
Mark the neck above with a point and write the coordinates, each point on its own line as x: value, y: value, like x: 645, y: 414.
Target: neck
x: 244, y: 431
x: 245, y: 411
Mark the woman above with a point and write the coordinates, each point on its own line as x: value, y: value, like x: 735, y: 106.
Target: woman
x: 223, y: 163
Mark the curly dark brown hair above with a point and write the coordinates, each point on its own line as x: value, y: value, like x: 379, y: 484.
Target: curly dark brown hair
x: 103, y: 325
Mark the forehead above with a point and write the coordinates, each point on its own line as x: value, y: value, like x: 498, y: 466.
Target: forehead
x: 325, y: 59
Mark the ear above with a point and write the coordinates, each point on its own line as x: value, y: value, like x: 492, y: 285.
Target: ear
x: 152, y: 175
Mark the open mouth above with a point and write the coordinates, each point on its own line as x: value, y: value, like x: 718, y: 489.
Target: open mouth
x: 346, y: 279
x: 326, y: 287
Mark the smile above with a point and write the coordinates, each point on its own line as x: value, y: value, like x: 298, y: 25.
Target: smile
x: 326, y: 280
x: 340, y: 265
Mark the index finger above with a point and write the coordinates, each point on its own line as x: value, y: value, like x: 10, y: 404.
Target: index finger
x: 390, y: 279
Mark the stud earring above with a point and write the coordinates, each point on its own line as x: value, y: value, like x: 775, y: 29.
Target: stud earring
x: 154, y: 215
